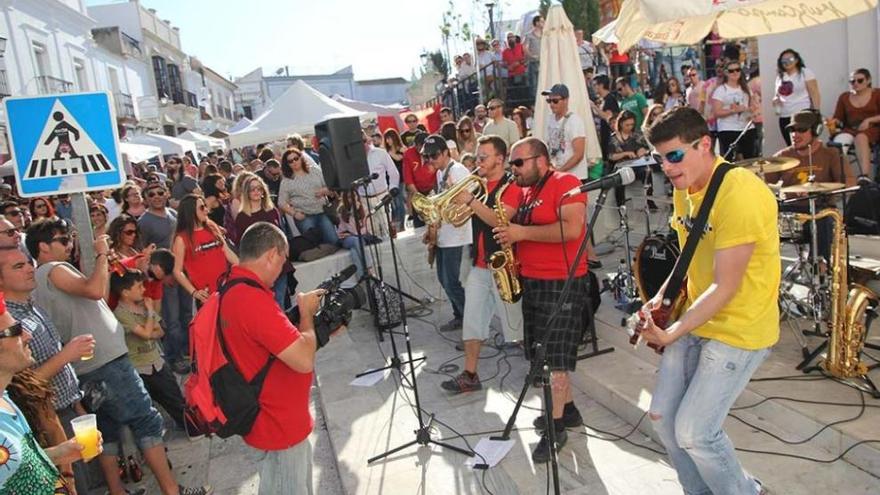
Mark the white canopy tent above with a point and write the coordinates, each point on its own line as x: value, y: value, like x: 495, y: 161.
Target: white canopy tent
x: 241, y: 124
x: 380, y: 110
x: 204, y: 143
x: 169, y: 145
x: 295, y: 111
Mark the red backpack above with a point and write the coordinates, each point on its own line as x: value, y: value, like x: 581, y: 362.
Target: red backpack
x: 218, y: 398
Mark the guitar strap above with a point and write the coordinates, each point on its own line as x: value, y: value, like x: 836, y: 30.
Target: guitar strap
x: 696, y: 233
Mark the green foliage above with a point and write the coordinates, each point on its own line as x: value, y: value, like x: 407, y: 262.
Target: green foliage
x: 584, y: 14
x: 439, y: 62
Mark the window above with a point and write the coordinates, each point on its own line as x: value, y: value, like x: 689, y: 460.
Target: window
x: 175, y: 84
x: 41, y: 58
x: 79, y: 71
x: 160, y: 72
x: 113, y: 77
x: 248, y: 112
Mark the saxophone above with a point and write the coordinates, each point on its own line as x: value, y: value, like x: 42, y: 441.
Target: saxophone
x: 502, y: 263
x: 848, y: 307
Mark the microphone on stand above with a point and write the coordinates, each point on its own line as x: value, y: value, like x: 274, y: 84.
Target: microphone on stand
x: 392, y: 193
x: 365, y: 180
x: 622, y: 177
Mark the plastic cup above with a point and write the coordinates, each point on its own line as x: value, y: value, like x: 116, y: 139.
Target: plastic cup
x: 85, y: 429
x: 89, y: 355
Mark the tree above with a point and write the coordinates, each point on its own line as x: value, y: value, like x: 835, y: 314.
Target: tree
x: 584, y: 14
x: 437, y: 59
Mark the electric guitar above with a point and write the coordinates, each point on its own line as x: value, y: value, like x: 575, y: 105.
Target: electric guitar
x: 669, y: 311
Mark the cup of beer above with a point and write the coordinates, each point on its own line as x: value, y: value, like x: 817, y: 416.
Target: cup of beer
x: 85, y: 429
x: 89, y: 355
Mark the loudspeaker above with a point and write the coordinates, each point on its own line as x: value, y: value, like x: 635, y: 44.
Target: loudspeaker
x: 341, y: 151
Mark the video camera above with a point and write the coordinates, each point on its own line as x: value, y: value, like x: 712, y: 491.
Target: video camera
x: 336, y: 306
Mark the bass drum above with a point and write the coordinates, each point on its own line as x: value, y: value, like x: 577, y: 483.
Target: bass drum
x: 655, y: 259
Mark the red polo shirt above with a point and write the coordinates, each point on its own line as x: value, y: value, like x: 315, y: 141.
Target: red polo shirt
x: 152, y: 288
x: 284, y: 418
x: 550, y: 260
x: 415, y: 173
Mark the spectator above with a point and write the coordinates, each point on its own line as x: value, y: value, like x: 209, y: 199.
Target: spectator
x: 98, y: 216
x: 123, y: 235
x: 446, y: 115
x: 631, y: 100
x: 713, y: 45
x: 216, y: 197
x: 566, y: 134
x: 857, y: 115
x: 500, y: 70
x: 480, y: 118
x: 469, y: 161
x: 532, y: 47
x: 132, y: 201
x: 376, y: 137
x: 518, y: 118
x: 380, y: 163
x: 14, y: 213
x: 41, y: 208
x: 796, y: 89
x: 302, y: 196
x: 105, y: 199
x: 586, y: 50
x: 654, y: 111
x: 627, y: 143
x: 200, y: 248
x: 282, y: 427
x: 75, y: 303
x: 589, y: 73
x: 696, y: 91
x: 272, y: 176
x: 63, y: 207
x: 674, y: 96
x: 409, y: 134
x: 514, y: 58
x: 419, y: 177
x: 757, y: 109
x: 394, y: 146
x: 499, y: 125
x: 257, y: 207
x: 466, y: 136
x: 181, y: 182
x: 450, y: 134
x: 730, y: 107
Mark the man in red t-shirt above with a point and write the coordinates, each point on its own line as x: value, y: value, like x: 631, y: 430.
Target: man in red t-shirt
x: 482, y: 300
x: 284, y: 423
x: 419, y: 177
x: 546, y: 245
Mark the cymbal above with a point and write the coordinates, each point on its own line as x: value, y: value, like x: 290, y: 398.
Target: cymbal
x: 813, y: 187
x: 768, y: 165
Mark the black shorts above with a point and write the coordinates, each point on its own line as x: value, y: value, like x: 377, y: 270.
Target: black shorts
x: 539, y: 300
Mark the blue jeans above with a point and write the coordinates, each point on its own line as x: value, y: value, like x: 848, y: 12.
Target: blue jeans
x: 322, y: 222
x: 126, y: 403
x: 280, y: 290
x: 177, y: 312
x: 398, y: 208
x: 534, y: 69
x: 448, y: 272
x: 698, y: 382
x: 287, y: 471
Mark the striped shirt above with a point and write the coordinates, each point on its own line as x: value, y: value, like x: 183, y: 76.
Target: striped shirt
x: 44, y: 344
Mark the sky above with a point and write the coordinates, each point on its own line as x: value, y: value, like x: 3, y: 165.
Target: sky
x: 380, y: 38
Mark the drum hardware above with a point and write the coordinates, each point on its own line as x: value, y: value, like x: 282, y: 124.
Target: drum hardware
x: 768, y: 165
x: 815, y: 188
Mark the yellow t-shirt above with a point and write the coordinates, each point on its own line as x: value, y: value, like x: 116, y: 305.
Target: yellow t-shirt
x: 744, y: 212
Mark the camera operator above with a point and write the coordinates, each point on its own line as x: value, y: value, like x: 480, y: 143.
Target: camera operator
x: 257, y: 330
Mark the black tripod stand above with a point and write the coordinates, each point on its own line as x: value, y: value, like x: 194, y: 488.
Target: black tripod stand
x: 423, y: 433
x: 540, y: 363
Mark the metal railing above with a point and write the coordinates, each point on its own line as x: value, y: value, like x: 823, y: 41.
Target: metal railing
x: 192, y: 100
x: 124, y: 106
x: 49, y: 84
x: 4, y: 85
x: 130, y: 45
x: 490, y: 81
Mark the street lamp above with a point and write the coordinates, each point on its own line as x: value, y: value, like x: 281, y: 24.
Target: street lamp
x: 491, y: 6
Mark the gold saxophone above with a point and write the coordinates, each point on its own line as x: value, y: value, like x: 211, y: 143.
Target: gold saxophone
x: 848, y: 307
x: 502, y: 263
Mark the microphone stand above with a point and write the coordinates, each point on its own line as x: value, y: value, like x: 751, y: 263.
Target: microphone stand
x: 540, y: 359
x: 735, y: 144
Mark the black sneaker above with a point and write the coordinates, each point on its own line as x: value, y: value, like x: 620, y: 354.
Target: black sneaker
x: 462, y: 383
x: 451, y: 325
x: 197, y: 490
x: 569, y: 420
x: 541, y: 454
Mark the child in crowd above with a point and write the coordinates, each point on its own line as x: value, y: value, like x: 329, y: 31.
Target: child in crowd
x: 142, y: 333
x: 469, y: 161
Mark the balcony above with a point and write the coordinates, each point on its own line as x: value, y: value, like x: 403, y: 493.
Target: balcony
x: 130, y: 46
x: 47, y: 85
x: 192, y: 100
x: 124, y: 106
x: 4, y: 85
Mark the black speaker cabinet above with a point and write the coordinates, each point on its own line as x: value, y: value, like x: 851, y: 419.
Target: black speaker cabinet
x: 341, y: 150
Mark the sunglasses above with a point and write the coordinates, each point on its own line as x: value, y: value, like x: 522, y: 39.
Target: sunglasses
x: 519, y: 162
x: 788, y: 60
x: 40, y: 205
x: 295, y: 157
x: 553, y: 101
x: 202, y: 207
x: 692, y: 75
x: 377, y: 136
x: 10, y: 232
x: 153, y: 194
x: 64, y: 240
x: 858, y: 80
x: 465, y: 129
x: 13, y: 330
x: 13, y: 213
x: 674, y: 156
x: 412, y: 121
x: 734, y: 70
x: 129, y: 232
x: 255, y: 189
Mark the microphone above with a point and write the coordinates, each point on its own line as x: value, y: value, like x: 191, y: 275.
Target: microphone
x: 365, y: 180
x: 392, y: 193
x: 622, y: 177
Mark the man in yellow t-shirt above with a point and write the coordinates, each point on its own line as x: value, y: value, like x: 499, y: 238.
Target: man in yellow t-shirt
x: 732, y: 318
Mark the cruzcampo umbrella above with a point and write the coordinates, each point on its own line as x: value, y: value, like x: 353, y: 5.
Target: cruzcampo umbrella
x: 683, y: 22
x: 560, y: 64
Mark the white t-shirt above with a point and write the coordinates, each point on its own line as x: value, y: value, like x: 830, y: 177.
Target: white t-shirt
x: 560, y: 146
x: 448, y: 235
x: 792, y: 92
x: 585, y: 54
x: 728, y: 96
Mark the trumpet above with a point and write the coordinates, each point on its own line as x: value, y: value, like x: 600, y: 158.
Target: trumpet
x: 439, y: 208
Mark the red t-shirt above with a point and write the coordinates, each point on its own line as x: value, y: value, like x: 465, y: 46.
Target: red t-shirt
x: 546, y: 260
x: 152, y: 288
x: 415, y: 173
x: 511, y: 198
x: 284, y: 418
x: 514, y: 58
x: 204, y: 260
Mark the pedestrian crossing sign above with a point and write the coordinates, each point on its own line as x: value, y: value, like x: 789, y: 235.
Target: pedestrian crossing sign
x: 64, y: 143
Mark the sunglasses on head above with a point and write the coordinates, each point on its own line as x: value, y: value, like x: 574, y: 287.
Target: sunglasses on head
x: 674, y: 156
x: 858, y: 80
x: 64, y: 240
x: 519, y: 162
x: 13, y: 330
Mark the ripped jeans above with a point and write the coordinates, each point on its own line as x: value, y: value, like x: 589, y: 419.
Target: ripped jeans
x: 698, y: 382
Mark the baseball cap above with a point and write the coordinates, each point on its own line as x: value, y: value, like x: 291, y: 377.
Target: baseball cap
x: 434, y: 144
x: 803, y: 120
x: 560, y: 90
